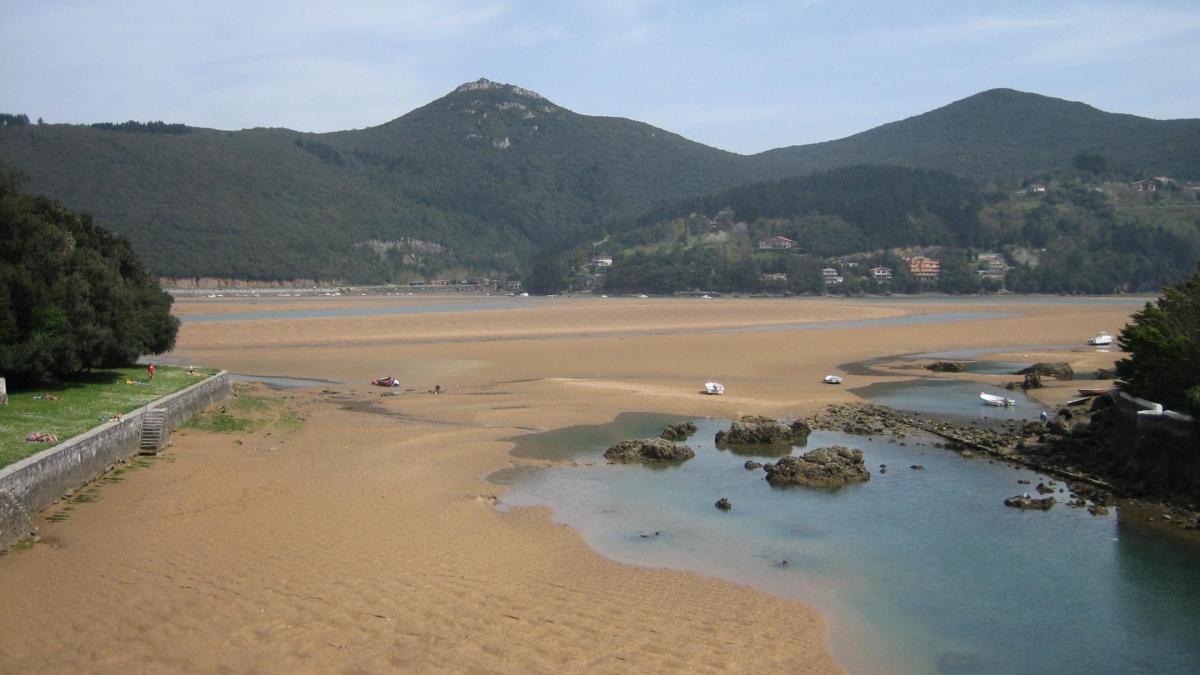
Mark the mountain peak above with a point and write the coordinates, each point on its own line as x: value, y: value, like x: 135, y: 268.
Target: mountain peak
x: 484, y: 83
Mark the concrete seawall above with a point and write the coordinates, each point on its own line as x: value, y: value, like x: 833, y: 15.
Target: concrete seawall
x: 32, y: 484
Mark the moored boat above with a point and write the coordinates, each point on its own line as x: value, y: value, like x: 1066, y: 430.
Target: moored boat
x: 999, y: 401
x: 1098, y: 391
x: 1100, y: 339
x: 714, y: 388
x: 832, y: 379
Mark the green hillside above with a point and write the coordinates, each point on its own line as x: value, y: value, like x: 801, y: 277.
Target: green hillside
x: 482, y: 180
x: 1083, y: 234
x: 1004, y: 135
x: 475, y: 181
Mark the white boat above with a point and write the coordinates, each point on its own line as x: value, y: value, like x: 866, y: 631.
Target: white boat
x: 999, y: 401
x: 832, y: 379
x: 1100, y: 339
x: 714, y: 388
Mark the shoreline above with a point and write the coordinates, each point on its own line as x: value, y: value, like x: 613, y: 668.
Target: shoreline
x: 432, y: 477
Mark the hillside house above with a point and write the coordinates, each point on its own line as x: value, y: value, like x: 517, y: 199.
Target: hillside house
x: 992, y: 265
x: 881, y: 273
x: 830, y: 276
x: 602, y: 261
x: 925, y: 269
x: 776, y: 243
x: 1035, y: 188
x: 775, y: 277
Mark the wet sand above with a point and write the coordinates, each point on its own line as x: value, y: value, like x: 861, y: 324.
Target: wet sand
x: 366, y: 538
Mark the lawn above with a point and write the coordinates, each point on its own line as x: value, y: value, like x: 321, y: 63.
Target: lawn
x: 70, y: 408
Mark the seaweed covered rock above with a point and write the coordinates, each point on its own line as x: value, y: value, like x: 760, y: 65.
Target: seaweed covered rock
x: 756, y: 430
x: 1061, y: 370
x: 648, y: 450
x: 678, y: 432
x: 1027, y: 502
x: 723, y: 504
x: 822, y: 468
x: 947, y: 367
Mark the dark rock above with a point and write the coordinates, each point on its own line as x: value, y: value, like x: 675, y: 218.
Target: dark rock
x: 1106, y: 374
x: 823, y: 468
x: 917, y: 467
x: 723, y: 504
x: 678, y: 432
x: 1032, y: 381
x: 800, y: 430
x: 1027, y: 502
x: 1098, y: 510
x: 1044, y: 489
x: 1061, y: 370
x: 756, y: 430
x: 751, y: 465
x: 947, y: 367
x: 966, y: 453
x: 648, y: 450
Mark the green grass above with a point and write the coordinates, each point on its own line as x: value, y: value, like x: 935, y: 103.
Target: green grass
x: 82, y: 403
x: 247, y: 412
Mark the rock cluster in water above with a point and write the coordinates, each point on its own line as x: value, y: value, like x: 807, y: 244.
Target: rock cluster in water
x: 1061, y: 370
x: 1027, y: 502
x: 723, y: 504
x: 756, y: 430
x: 678, y: 432
x: 648, y: 450
x: 947, y: 367
x: 821, y: 468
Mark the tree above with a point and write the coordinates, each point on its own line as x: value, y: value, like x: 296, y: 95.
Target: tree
x: 1163, y: 341
x: 547, y: 275
x: 73, y: 296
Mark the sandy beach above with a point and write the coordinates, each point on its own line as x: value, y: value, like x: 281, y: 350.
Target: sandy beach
x: 365, y: 538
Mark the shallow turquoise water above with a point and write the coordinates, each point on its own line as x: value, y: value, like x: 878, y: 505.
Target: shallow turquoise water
x: 917, y: 571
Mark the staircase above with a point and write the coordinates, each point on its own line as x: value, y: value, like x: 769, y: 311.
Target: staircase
x: 154, y: 431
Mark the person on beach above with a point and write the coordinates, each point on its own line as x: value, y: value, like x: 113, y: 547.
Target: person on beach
x: 150, y: 371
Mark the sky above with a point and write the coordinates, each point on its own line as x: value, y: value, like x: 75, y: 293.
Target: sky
x: 742, y: 76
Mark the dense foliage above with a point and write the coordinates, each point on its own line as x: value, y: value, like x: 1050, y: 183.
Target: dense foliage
x: 144, y: 127
x: 73, y: 296
x: 1002, y: 135
x: 1163, y: 341
x: 482, y: 180
x: 1080, y: 236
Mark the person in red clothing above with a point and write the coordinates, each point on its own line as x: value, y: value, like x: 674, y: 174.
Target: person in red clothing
x: 150, y: 371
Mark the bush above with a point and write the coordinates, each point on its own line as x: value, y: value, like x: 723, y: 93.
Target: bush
x: 73, y: 296
x: 1163, y: 341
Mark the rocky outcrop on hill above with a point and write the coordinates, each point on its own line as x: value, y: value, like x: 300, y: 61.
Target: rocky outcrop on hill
x: 821, y: 468
x: 756, y: 430
x: 1061, y: 370
x: 678, y: 432
x: 648, y: 450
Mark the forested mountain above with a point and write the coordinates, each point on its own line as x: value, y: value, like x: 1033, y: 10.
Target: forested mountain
x: 484, y: 179
x: 1004, y: 135
x: 475, y: 181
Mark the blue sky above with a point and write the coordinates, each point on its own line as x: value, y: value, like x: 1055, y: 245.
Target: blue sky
x: 745, y: 76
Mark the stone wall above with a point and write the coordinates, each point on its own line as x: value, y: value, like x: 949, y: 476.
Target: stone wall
x: 1149, y: 416
x: 32, y: 484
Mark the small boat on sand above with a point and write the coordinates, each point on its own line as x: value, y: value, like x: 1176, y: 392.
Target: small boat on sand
x: 998, y: 401
x: 714, y: 388
x: 1099, y: 391
x: 1100, y: 339
x: 832, y: 379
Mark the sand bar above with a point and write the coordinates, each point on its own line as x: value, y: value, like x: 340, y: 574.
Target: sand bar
x: 366, y: 539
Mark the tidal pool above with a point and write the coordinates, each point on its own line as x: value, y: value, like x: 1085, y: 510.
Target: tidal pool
x: 916, y: 570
